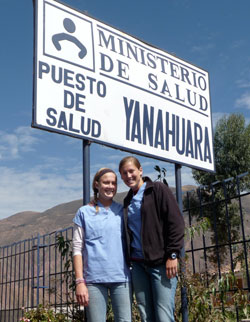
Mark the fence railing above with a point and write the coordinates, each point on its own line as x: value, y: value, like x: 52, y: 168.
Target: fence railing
x: 224, y: 246
x: 32, y: 271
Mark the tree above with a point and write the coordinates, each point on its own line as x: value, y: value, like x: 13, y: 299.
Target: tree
x: 231, y: 150
x: 232, y: 157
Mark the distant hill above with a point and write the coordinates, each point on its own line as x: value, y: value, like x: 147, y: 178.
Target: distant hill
x: 28, y: 224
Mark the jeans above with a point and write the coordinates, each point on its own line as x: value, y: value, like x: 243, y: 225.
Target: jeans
x: 154, y: 292
x: 121, y: 299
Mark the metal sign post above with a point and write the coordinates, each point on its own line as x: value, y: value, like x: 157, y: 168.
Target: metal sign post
x: 178, y: 185
x: 86, y: 171
x: 86, y: 179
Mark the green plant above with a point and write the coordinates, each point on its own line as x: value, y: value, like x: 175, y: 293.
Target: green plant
x: 212, y: 299
x: 162, y: 172
x: 43, y: 314
x: 64, y: 247
x: 201, y: 226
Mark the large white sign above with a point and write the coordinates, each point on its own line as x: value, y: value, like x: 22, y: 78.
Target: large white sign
x: 95, y: 82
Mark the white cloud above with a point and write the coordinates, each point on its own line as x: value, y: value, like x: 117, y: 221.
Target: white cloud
x: 12, y: 145
x: 237, y: 44
x: 187, y: 177
x: 202, y: 48
x: 243, y: 101
x: 243, y: 83
x: 35, y: 190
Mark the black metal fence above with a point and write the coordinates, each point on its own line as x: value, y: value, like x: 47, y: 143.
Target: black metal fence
x: 218, y: 220
x: 33, y: 271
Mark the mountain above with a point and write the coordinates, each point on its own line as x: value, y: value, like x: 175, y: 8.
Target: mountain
x: 27, y: 224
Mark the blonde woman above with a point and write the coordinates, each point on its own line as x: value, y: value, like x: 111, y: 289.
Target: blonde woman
x: 98, y: 253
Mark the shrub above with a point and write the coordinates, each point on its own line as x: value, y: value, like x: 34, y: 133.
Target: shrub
x: 213, y: 299
x: 43, y: 314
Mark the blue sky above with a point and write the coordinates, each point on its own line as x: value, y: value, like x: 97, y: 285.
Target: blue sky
x: 39, y: 170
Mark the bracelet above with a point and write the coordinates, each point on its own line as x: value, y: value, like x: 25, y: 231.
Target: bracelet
x: 80, y: 280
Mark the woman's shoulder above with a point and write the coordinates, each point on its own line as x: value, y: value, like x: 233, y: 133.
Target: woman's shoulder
x: 84, y: 210
x: 82, y: 214
x: 160, y: 186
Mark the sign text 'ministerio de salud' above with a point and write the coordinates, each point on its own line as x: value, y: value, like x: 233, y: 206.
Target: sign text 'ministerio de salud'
x: 95, y: 82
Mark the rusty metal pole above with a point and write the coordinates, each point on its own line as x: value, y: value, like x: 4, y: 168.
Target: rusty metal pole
x: 178, y: 185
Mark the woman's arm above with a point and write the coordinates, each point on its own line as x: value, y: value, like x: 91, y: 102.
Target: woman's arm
x: 81, y: 288
x: 82, y: 294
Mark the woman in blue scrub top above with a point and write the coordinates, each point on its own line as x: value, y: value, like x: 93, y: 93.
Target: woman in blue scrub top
x: 98, y: 253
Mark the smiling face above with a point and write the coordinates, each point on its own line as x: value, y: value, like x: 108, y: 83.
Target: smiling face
x: 107, y: 187
x: 132, y: 175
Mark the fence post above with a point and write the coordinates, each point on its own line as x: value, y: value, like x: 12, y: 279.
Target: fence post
x: 37, y: 286
x: 38, y: 270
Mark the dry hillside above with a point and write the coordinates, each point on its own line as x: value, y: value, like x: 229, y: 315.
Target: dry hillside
x: 26, y: 224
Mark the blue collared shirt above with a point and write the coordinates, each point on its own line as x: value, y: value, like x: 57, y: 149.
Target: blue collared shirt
x: 134, y: 222
x: 103, y: 251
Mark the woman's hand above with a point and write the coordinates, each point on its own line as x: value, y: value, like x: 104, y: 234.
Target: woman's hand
x: 171, y: 267
x: 82, y: 294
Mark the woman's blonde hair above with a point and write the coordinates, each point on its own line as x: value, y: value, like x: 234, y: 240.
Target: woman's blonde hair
x: 97, y: 178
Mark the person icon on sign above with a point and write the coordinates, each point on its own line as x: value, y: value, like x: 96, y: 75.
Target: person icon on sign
x: 70, y: 27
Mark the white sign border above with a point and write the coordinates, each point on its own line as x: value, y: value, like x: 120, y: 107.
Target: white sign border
x: 82, y: 137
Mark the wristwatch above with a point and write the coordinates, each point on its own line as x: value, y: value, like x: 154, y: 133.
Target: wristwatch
x: 173, y: 255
